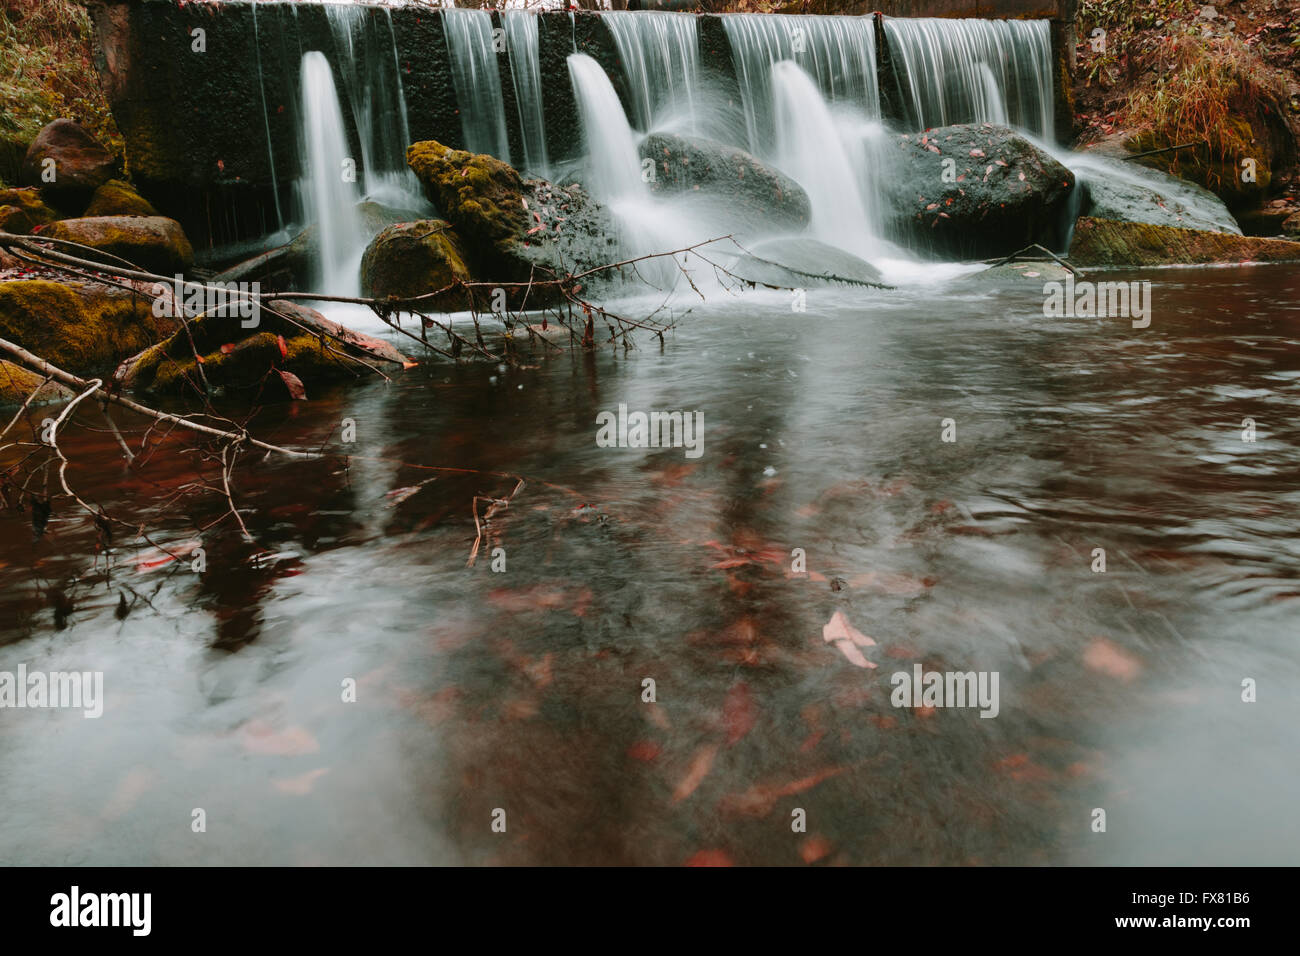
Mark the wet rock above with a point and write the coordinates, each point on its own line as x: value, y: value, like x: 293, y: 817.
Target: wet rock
x: 21, y: 210
x: 118, y: 198
x: 410, y: 259
x: 687, y: 164
x: 78, y: 163
x: 155, y: 243
x: 287, y: 338
x: 82, y: 327
x: 376, y: 216
x: 797, y: 261
x: 1104, y: 242
x: 976, y: 191
x: 513, y: 230
x: 17, y: 382
x: 1119, y: 191
x: 1291, y: 225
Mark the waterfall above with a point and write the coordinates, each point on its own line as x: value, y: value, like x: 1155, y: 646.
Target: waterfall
x: 477, y: 80
x: 367, y: 58
x: 645, y: 225
x: 526, y: 77
x: 660, y: 53
x: 973, y: 71
x: 615, y: 165
x: 839, y: 53
x: 329, y: 194
x: 810, y: 147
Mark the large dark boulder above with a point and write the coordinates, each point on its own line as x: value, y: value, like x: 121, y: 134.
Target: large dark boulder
x: 411, y: 259
x: 728, y: 177
x: 67, y: 164
x: 976, y: 191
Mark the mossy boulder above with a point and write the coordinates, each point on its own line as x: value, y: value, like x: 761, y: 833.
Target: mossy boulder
x: 514, y: 230
x: 741, y: 187
x: 288, y: 338
x: 976, y: 190
x: 118, y: 198
x: 155, y: 243
x: 415, y: 258
x: 22, y: 210
x: 17, y: 382
x: 480, y: 195
x: 1106, y: 242
x: 82, y: 327
x: 67, y: 164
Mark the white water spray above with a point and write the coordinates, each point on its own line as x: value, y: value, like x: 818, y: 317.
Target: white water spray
x: 329, y: 190
x: 810, y: 149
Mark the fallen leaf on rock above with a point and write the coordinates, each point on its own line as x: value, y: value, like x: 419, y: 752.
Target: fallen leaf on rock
x: 297, y: 391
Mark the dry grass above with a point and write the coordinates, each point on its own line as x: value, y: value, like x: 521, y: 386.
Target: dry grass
x: 1205, y: 90
x: 46, y: 72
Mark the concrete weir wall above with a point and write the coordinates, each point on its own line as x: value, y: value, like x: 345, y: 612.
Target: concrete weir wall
x: 212, y: 135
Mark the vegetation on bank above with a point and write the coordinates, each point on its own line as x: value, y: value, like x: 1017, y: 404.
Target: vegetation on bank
x: 47, y: 73
x: 1167, y: 73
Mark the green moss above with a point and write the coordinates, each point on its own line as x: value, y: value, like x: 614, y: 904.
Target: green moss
x: 18, y: 382
x: 234, y: 360
x: 157, y: 244
x: 21, y: 210
x: 118, y: 198
x: 81, y: 328
x: 480, y: 195
x: 414, y: 258
x: 1106, y: 242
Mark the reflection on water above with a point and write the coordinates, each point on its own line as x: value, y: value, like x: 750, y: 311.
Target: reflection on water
x: 522, y: 690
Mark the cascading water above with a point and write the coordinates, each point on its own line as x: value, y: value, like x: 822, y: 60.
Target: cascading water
x: 614, y: 165
x: 809, y: 147
x: 809, y: 96
x: 366, y: 51
x: 839, y: 53
x: 526, y: 76
x: 329, y: 194
x: 974, y: 71
x: 614, y: 171
x: 477, y: 80
x: 660, y: 53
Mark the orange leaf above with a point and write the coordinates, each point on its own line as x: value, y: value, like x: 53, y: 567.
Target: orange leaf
x: 700, y: 766
x: 294, y: 384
